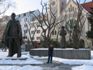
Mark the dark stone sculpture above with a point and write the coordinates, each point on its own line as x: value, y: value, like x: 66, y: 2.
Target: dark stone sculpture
x: 63, y: 39
x: 12, y: 37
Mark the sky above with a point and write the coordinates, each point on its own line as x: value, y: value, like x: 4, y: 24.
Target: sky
x: 21, y: 6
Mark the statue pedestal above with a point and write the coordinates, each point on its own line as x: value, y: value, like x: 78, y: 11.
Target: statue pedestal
x: 63, y: 53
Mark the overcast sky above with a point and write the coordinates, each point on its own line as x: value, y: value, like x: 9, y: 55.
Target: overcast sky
x: 22, y: 6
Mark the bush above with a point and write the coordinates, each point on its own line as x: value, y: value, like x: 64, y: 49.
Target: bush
x: 90, y: 34
x: 56, y: 44
x: 2, y: 45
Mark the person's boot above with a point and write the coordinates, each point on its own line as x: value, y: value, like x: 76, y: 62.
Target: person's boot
x: 18, y: 54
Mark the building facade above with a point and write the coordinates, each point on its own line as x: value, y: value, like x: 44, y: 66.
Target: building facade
x: 57, y: 6
x: 70, y: 12
x: 32, y: 31
x: 26, y: 20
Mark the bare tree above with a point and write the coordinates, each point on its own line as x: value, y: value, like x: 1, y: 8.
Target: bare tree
x: 78, y: 22
x: 30, y: 25
x: 47, y: 20
x: 4, y: 6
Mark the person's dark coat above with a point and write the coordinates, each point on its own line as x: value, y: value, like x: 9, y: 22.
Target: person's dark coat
x: 50, y: 51
x: 50, y: 54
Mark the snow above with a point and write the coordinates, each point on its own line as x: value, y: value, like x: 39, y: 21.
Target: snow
x: 5, y: 61
x: 27, y: 67
x: 59, y: 49
x: 83, y: 67
x: 4, y: 64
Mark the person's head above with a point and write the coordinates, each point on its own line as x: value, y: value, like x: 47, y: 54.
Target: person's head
x: 13, y: 15
x: 63, y: 27
x: 51, y: 45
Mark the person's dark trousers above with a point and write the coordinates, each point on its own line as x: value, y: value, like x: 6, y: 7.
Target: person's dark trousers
x: 50, y: 59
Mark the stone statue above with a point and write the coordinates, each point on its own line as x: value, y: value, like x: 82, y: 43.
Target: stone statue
x: 63, y: 39
x: 12, y: 36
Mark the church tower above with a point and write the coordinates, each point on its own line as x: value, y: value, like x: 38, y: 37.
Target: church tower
x: 57, y: 6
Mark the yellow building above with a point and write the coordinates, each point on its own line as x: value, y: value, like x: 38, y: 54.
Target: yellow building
x: 70, y: 12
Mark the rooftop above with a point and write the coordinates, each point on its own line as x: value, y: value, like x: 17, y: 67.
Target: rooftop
x: 88, y: 6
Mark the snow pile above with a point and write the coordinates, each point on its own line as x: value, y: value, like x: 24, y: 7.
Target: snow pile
x: 81, y: 64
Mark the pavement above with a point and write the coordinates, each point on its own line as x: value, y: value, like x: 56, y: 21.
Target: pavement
x: 51, y: 66
x: 55, y: 66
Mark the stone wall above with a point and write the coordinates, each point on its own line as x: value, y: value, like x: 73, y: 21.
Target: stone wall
x: 64, y: 53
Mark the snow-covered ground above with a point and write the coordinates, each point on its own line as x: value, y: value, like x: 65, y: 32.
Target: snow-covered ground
x: 83, y: 64
x: 7, y: 60
x: 4, y: 61
x: 27, y: 67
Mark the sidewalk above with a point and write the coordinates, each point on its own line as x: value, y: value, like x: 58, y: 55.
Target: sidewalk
x: 54, y: 66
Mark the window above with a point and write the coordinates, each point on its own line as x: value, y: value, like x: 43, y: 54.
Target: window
x: 19, y: 16
x: 25, y: 37
x: 32, y: 32
x: 32, y: 38
x: 25, y: 19
x: 38, y: 38
x: 25, y: 31
x: 25, y: 25
x: 38, y: 31
x: 53, y: 32
x: 33, y: 19
x: 38, y: 25
x: 71, y: 8
x: 53, y: 3
x: 24, y: 14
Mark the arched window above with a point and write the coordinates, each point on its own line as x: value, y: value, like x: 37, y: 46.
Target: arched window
x: 54, y: 32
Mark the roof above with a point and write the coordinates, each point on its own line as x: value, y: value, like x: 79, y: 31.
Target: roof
x: 88, y: 6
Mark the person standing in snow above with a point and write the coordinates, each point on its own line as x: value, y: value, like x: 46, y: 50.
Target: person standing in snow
x: 50, y: 53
